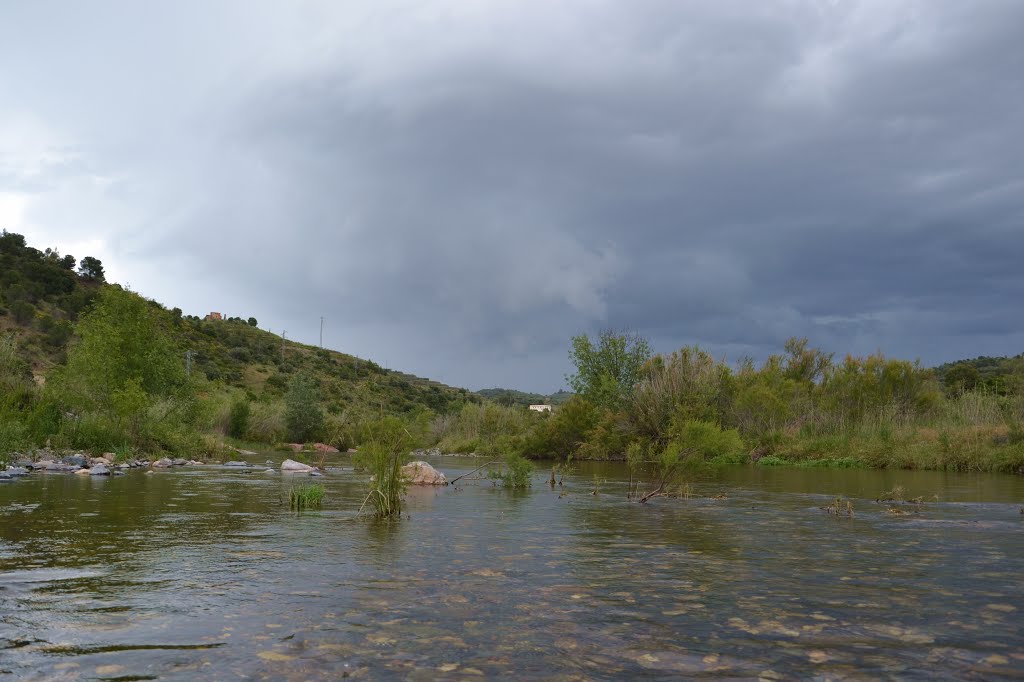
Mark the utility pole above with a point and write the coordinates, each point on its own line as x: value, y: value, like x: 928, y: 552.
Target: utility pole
x: 321, y: 332
x: 284, y: 335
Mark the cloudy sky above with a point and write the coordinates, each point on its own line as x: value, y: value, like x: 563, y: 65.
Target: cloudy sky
x: 460, y: 186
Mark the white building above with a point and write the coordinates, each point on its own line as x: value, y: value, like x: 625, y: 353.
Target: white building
x: 540, y: 408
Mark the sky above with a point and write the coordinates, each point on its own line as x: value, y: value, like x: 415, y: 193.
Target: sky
x: 459, y: 187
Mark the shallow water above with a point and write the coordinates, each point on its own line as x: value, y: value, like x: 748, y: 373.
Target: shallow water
x: 203, y: 573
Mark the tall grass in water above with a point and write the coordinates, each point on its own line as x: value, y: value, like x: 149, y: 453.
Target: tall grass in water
x: 306, y: 496
x: 382, y: 455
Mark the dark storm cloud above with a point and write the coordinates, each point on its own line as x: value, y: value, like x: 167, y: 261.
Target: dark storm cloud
x: 460, y: 188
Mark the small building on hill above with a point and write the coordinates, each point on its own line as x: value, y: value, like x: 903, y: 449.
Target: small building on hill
x: 540, y: 408
x: 214, y: 316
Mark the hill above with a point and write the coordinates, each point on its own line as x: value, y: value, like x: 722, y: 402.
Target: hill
x: 44, y: 298
x: 510, y: 397
x: 999, y: 375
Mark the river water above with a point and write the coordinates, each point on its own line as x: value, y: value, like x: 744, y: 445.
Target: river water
x: 204, y: 573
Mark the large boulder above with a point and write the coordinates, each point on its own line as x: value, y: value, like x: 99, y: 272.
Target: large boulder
x: 324, y: 447
x: 421, y: 473
x: 162, y: 463
x: 291, y: 466
x: 99, y: 470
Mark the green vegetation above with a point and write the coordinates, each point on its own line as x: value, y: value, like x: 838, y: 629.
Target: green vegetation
x: 385, y: 451
x: 306, y: 496
x: 88, y: 365
x: 302, y: 414
x: 509, y: 397
x: 799, y: 408
x: 516, y: 472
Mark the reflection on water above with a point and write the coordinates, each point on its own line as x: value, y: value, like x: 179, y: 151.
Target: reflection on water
x: 205, y: 573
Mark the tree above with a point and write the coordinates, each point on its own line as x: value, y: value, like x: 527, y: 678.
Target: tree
x: 303, y: 415
x: 962, y: 377
x: 23, y: 312
x: 91, y: 268
x: 122, y: 339
x: 252, y: 322
x: 607, y: 373
x: 68, y: 262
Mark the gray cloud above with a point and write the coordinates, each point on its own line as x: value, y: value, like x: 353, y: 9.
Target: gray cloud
x: 459, y: 187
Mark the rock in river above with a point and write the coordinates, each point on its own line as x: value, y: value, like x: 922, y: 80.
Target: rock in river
x: 162, y: 463
x: 421, y: 473
x: 99, y: 470
x: 77, y: 460
x: 236, y: 464
x: 291, y: 466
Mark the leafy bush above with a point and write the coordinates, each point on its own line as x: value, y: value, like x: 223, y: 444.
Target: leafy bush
x: 238, y: 418
x: 304, y: 418
x: 516, y: 473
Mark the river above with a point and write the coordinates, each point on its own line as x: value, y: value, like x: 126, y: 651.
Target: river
x: 204, y: 573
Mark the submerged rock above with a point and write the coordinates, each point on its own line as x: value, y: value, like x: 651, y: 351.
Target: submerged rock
x: 421, y: 473
x: 291, y: 466
x: 16, y: 471
x: 236, y: 464
x: 83, y: 472
x: 4, y: 476
x: 99, y: 470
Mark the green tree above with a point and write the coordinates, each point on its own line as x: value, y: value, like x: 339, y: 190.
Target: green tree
x: 23, y: 312
x: 121, y: 339
x: 238, y: 418
x: 961, y: 377
x: 607, y: 373
x: 304, y: 418
x: 253, y: 322
x: 91, y: 268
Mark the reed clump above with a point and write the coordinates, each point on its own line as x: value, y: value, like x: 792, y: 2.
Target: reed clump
x: 384, y: 453
x: 306, y: 496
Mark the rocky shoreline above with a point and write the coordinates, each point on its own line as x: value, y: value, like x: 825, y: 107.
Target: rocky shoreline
x: 46, y: 461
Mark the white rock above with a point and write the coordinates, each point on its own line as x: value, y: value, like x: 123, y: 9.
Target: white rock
x: 291, y: 465
x: 421, y: 473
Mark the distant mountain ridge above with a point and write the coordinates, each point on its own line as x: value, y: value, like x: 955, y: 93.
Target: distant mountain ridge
x: 510, y: 396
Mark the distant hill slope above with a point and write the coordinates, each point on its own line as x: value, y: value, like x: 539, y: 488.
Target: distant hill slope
x: 42, y: 296
x: 1002, y: 375
x: 510, y: 396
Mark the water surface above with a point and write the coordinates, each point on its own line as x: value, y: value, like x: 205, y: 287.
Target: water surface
x: 203, y: 573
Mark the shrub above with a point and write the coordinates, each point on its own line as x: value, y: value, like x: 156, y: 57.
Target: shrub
x: 303, y: 415
x: 517, y: 472
x: 238, y: 418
